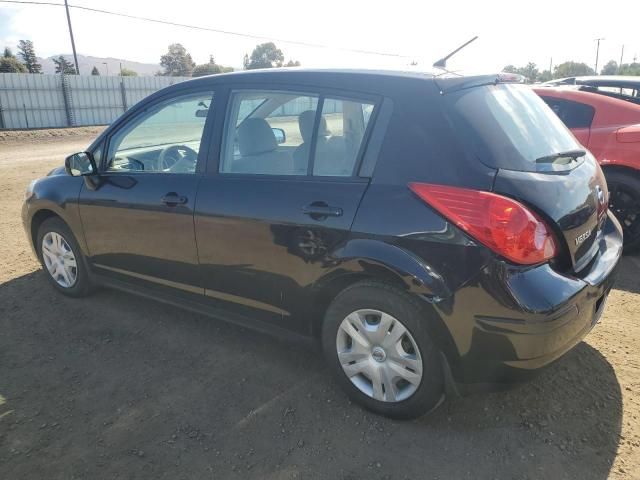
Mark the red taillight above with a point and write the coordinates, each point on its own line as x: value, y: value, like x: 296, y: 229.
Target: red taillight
x: 500, y: 223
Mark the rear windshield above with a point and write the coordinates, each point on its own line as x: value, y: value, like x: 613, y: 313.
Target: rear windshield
x: 508, y: 126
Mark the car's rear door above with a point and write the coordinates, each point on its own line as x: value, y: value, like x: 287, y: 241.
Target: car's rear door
x: 138, y: 216
x: 268, y: 217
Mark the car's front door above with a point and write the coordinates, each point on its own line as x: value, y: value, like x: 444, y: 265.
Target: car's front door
x: 277, y: 206
x: 138, y: 220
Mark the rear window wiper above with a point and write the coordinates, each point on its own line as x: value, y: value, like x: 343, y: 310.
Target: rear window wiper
x: 562, y: 158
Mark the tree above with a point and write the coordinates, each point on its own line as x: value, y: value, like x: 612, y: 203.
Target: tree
x: 630, y: 69
x: 545, y: 76
x: 529, y: 71
x: 292, y: 63
x: 10, y: 64
x: 95, y: 71
x: 126, y: 72
x: 177, y: 62
x: 610, y: 68
x: 210, y: 68
x: 28, y: 54
x: 265, y: 55
x: 64, y: 66
x: 572, y: 69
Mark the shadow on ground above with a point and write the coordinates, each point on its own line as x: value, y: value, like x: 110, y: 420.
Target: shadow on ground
x: 629, y: 274
x: 115, y: 386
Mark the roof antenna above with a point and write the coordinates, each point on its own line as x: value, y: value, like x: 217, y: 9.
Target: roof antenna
x: 442, y: 63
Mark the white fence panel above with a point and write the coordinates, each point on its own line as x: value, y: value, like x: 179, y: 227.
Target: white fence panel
x: 95, y: 100
x: 137, y: 88
x: 40, y: 101
x: 31, y: 101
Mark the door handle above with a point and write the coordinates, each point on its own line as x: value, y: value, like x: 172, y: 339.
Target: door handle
x: 320, y: 210
x: 172, y: 199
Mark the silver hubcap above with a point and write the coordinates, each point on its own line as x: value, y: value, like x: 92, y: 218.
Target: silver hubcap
x: 379, y: 355
x: 59, y: 259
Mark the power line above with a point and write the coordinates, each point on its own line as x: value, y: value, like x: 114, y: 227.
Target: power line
x: 215, y: 30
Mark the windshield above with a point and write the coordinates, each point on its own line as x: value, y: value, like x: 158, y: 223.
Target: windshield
x: 508, y: 126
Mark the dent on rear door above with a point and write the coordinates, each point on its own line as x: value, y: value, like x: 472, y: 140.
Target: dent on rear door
x: 259, y: 252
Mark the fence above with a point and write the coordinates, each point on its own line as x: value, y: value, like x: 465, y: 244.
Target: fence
x: 40, y: 101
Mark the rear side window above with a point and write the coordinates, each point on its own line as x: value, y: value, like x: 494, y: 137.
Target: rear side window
x: 507, y: 126
x: 572, y: 114
x: 340, y: 135
x: 283, y: 133
x: 268, y: 133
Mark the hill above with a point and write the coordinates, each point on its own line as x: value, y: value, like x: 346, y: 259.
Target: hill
x: 87, y: 62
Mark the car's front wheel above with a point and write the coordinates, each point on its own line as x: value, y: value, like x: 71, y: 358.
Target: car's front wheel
x: 377, y: 344
x: 61, y: 258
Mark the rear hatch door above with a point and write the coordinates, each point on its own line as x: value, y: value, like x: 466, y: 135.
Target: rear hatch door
x: 538, y: 160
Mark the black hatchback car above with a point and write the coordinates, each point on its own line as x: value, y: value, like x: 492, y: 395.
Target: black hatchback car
x: 433, y: 232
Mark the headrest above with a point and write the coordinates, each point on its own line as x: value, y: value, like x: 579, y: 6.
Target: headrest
x: 255, y: 136
x: 306, y: 120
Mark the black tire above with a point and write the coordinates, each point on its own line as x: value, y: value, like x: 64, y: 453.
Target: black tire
x: 406, y: 309
x: 82, y: 285
x: 624, y: 203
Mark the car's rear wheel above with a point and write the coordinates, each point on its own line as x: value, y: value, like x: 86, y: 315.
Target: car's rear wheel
x: 624, y: 202
x: 376, y: 341
x: 61, y: 258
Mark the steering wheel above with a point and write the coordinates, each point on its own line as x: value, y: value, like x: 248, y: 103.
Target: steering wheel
x: 177, y: 159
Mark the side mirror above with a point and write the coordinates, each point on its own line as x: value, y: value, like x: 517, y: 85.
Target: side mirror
x: 281, y: 137
x: 80, y: 164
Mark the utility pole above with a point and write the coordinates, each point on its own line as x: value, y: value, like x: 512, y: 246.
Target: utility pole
x: 551, y: 66
x: 120, y: 68
x: 620, y: 64
x: 73, y: 43
x: 597, y: 53
x: 107, y: 67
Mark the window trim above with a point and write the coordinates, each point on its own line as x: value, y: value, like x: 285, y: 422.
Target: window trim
x: 217, y: 143
x: 125, y: 121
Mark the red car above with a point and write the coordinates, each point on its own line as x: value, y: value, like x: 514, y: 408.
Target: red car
x: 604, y: 115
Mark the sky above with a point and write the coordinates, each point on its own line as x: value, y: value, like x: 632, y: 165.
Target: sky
x: 510, y: 32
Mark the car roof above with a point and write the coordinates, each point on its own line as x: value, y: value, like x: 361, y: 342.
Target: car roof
x: 296, y: 71
x: 620, y: 81
x: 385, y: 82
x: 316, y: 76
x: 368, y: 82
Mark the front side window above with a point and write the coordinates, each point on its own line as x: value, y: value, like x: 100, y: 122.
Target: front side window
x: 268, y: 133
x: 340, y: 135
x: 165, y: 139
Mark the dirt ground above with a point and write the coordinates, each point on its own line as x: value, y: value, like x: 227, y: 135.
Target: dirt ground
x: 116, y: 386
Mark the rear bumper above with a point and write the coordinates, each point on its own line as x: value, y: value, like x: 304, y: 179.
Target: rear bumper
x: 513, y: 321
